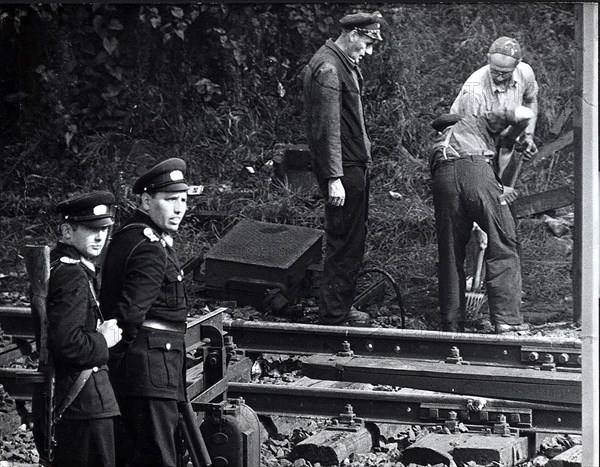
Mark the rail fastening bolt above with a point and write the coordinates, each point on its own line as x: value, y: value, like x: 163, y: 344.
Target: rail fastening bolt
x: 369, y: 347
x: 548, y: 358
x: 452, y: 415
x: 579, y: 359
x: 454, y: 352
x: 563, y: 358
x: 346, y: 350
x: 534, y: 356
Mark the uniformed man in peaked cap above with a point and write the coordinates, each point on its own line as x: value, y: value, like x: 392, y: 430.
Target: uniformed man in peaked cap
x: 80, y: 337
x: 143, y: 289
x: 341, y: 151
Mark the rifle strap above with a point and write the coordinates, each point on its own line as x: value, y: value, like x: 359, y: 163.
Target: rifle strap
x: 74, y: 391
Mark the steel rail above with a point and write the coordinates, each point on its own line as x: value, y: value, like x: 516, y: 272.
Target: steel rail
x: 522, y: 384
x: 405, y: 406
x: 307, y: 339
x: 17, y: 321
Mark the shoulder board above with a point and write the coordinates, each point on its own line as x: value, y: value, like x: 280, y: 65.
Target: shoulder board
x: 67, y: 260
x: 149, y: 233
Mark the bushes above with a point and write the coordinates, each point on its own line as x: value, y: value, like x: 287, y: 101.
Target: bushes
x: 89, y: 89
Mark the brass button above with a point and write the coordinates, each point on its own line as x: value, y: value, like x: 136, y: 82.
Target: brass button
x: 168, y: 346
x: 95, y: 369
x: 179, y: 278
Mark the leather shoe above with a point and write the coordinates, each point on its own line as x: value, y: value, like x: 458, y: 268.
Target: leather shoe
x: 502, y: 328
x: 354, y: 318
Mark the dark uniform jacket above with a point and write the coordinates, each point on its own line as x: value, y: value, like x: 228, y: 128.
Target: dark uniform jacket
x: 74, y: 343
x: 337, y: 135
x: 142, y: 280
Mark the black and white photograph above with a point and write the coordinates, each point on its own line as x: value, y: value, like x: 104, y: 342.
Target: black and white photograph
x: 293, y: 234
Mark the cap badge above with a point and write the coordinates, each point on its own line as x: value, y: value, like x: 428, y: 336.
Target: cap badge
x: 100, y: 209
x: 176, y: 175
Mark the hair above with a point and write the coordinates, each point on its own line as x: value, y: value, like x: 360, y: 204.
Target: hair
x: 74, y: 226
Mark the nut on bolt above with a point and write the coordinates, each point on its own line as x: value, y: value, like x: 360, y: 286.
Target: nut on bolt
x: 348, y: 417
x: 452, y: 422
x: 346, y: 350
x: 563, y: 357
x: 501, y: 427
x: 548, y: 363
x: 454, y: 355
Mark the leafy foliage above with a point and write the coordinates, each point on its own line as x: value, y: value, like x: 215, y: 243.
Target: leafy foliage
x: 93, y: 94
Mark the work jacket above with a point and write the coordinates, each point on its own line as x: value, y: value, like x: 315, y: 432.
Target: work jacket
x: 335, y: 121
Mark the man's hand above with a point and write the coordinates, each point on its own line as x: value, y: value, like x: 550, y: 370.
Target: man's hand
x: 509, y: 195
x: 527, y: 146
x: 110, y: 331
x: 337, y: 194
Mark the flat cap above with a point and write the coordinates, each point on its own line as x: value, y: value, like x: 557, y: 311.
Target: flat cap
x: 95, y: 209
x: 444, y: 121
x: 506, y: 46
x: 167, y: 176
x: 366, y: 23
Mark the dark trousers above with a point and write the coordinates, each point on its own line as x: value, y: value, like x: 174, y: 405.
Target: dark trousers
x: 147, y: 435
x: 466, y: 190
x: 89, y: 443
x: 345, y: 235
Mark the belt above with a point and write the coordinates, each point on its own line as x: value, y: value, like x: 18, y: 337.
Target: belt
x: 469, y: 157
x: 160, y: 325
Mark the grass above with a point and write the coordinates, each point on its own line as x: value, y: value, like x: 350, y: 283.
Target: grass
x: 413, y: 76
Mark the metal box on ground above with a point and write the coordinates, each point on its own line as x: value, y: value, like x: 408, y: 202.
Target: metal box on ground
x: 257, y: 257
x: 293, y: 167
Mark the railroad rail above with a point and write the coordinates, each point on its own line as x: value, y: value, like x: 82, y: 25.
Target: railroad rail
x: 438, y: 372
x: 407, y: 406
x: 481, y: 349
x: 309, y: 339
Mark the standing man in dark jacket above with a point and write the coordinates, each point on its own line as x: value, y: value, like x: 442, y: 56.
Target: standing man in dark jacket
x: 79, y: 337
x: 143, y: 289
x: 341, y: 151
x: 466, y: 189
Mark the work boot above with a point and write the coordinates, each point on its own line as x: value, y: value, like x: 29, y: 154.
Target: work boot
x: 503, y: 328
x: 353, y: 318
x: 453, y: 327
x: 356, y: 318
